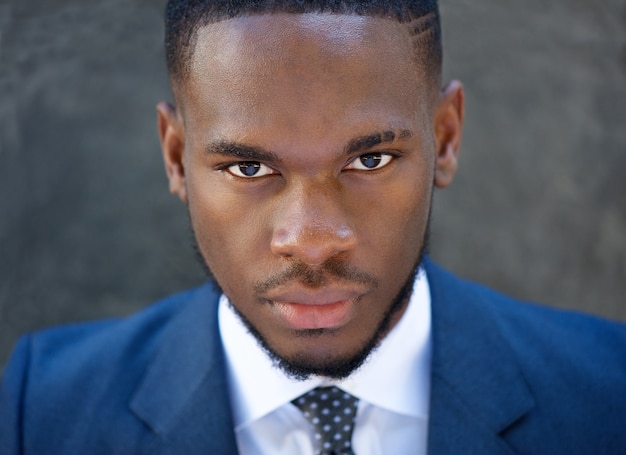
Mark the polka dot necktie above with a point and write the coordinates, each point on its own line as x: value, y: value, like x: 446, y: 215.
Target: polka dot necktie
x: 331, y: 411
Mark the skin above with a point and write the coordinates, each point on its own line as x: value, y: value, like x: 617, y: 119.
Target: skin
x: 314, y: 247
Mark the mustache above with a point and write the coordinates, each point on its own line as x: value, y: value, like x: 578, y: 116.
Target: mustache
x: 331, y: 270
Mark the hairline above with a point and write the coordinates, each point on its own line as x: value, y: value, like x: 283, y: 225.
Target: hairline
x: 432, y: 70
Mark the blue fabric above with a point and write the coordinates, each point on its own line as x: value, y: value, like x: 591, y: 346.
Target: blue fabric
x: 507, y: 377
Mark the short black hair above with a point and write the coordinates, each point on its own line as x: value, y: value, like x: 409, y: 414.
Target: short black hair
x: 183, y: 18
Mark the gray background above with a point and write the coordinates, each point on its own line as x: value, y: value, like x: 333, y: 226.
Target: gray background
x: 89, y: 230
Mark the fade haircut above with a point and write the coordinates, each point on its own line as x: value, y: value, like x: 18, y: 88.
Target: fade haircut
x: 183, y: 19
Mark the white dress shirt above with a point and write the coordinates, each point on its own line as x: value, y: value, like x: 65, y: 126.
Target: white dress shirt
x: 393, y: 387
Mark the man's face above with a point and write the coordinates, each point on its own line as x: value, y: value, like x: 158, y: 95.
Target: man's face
x: 305, y: 148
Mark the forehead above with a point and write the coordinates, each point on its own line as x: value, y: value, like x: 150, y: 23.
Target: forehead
x: 289, y: 65
x: 334, y: 34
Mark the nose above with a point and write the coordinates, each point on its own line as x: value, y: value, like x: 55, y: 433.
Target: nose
x: 312, y: 224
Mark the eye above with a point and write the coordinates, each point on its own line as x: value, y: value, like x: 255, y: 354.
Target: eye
x: 370, y: 161
x: 250, y: 169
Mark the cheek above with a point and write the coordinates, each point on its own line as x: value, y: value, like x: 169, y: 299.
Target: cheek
x: 401, y: 239
x: 230, y: 233
x: 397, y: 216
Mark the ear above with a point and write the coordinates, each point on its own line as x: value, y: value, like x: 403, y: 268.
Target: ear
x: 448, y: 126
x: 172, y: 136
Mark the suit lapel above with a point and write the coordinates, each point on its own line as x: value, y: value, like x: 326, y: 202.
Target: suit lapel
x: 184, y: 396
x: 477, y: 389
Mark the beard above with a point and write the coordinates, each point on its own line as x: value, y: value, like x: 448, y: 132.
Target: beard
x: 300, y: 367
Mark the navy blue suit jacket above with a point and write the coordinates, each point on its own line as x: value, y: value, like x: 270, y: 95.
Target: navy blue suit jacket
x: 507, y: 377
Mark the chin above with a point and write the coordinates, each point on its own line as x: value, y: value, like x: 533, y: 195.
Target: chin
x: 303, y: 366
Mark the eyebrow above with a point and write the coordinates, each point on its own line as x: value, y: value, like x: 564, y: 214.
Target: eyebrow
x: 241, y: 151
x: 364, y: 143
x: 253, y: 153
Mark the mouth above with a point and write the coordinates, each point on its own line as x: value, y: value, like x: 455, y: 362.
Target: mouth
x: 327, y: 308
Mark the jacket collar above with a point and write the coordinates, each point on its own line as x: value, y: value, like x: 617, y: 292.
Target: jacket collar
x: 186, y: 376
x: 477, y: 388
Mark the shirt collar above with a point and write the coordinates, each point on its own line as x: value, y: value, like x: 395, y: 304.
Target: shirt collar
x: 396, y: 376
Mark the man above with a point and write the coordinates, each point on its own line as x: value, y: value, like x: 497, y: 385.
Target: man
x: 306, y: 141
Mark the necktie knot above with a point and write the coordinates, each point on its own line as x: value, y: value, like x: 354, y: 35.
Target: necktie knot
x: 332, y: 412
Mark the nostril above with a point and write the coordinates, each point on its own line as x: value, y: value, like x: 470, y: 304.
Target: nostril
x: 312, y: 244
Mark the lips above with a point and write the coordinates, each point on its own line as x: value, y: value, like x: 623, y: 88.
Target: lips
x: 325, y: 308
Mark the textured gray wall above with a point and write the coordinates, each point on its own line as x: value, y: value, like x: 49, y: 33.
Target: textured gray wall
x: 88, y: 229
